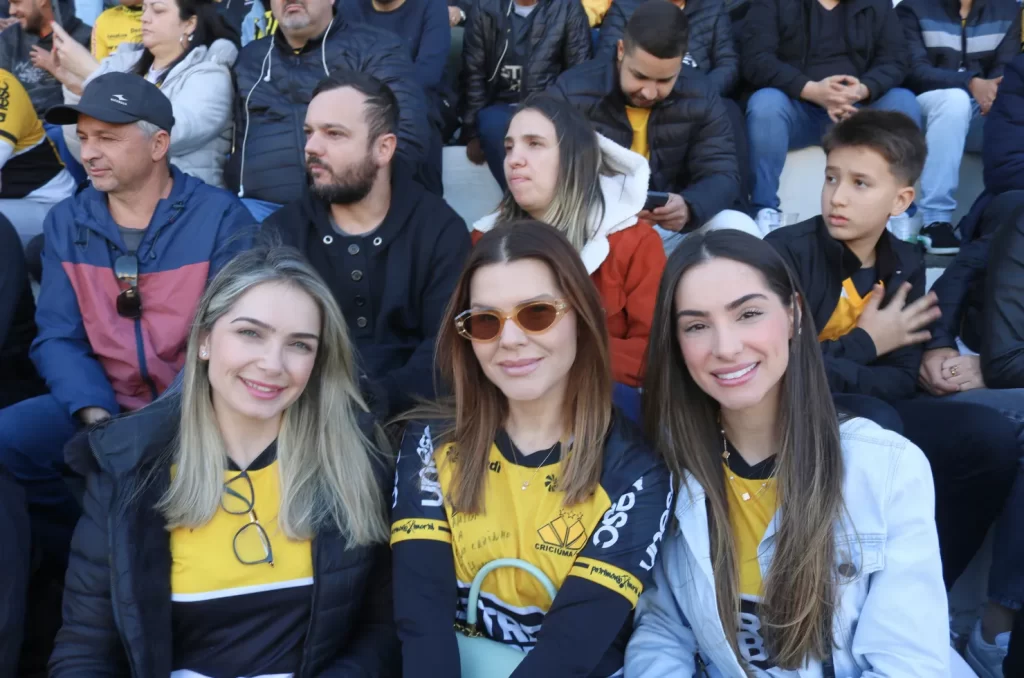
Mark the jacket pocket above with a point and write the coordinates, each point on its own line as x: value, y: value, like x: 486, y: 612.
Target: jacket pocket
x: 858, y: 555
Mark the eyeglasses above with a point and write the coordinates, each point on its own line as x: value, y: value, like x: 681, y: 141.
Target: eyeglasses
x: 532, y: 317
x: 129, y: 301
x: 251, y: 543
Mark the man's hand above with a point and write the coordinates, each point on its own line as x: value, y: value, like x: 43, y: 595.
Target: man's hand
x: 44, y: 59
x: 454, y: 16
x: 930, y: 374
x: 91, y: 415
x: 475, y: 152
x: 833, y: 92
x: 674, y: 215
x: 964, y: 372
x: 984, y: 92
x: 840, y: 113
x: 899, y: 324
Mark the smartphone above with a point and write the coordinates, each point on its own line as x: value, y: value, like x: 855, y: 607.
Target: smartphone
x: 655, y: 199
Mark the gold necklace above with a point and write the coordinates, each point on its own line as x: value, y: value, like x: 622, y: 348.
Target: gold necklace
x: 732, y: 477
x: 515, y: 457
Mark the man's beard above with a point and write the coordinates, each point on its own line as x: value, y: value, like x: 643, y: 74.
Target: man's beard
x: 351, y: 187
x: 34, y: 23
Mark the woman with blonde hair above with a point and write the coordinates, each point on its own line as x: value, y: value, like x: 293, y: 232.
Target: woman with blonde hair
x: 529, y: 461
x: 237, y: 527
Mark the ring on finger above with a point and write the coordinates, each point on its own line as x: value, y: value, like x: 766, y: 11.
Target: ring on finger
x: 954, y: 371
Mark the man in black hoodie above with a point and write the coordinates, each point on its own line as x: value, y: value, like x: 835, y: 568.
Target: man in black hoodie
x: 19, y: 43
x: 392, y: 264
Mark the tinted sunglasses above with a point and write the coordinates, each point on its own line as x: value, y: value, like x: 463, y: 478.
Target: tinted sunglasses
x: 129, y: 301
x: 532, y: 317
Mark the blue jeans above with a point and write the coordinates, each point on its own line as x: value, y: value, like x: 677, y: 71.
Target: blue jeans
x: 260, y: 209
x: 777, y: 124
x: 32, y: 438
x: 953, y: 124
x: 492, y: 124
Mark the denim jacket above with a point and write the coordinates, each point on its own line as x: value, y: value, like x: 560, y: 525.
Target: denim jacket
x: 892, y: 616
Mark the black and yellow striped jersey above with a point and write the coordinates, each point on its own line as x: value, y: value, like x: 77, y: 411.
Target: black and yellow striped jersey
x: 30, y: 160
x: 610, y: 540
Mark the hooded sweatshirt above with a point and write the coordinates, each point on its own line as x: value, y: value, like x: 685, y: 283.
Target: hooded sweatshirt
x: 16, y: 51
x: 201, y: 94
x: 624, y: 257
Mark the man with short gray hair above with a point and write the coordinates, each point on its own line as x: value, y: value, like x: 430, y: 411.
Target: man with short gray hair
x: 125, y: 262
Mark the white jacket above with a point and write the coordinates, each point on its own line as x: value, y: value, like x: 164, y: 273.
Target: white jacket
x: 624, y: 191
x: 201, y: 93
x: 892, y: 619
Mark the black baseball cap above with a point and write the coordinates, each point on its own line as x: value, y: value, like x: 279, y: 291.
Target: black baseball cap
x: 120, y: 99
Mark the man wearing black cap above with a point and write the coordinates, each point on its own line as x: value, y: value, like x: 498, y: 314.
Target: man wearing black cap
x: 124, y: 265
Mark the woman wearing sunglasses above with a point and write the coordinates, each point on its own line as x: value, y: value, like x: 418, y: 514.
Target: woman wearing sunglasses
x: 561, y: 172
x: 528, y: 461
x: 237, y: 527
x: 802, y: 545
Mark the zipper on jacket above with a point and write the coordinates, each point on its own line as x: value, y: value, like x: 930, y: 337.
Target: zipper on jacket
x: 140, y: 349
x: 497, y: 67
x: 114, y: 602
x: 306, y: 649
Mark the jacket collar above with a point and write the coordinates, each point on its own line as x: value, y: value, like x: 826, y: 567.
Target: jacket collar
x: 890, y: 258
x: 624, y: 191
x: 406, y: 195
x: 337, y: 23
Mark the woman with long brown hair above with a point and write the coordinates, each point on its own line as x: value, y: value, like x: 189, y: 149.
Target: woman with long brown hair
x: 803, y: 544
x: 529, y: 461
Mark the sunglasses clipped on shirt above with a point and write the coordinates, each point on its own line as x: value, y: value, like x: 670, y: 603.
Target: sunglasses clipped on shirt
x: 129, y: 301
x: 532, y: 317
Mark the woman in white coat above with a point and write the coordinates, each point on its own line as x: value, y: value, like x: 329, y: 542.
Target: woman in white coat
x: 803, y: 544
x: 187, y: 50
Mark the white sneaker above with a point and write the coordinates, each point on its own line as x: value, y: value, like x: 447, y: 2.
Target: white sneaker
x: 767, y: 219
x: 984, y: 658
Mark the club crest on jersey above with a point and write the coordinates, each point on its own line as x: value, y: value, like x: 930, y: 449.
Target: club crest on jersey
x: 563, y: 536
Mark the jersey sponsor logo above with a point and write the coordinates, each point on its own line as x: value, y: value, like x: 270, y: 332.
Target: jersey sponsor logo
x: 652, y: 551
x: 610, y: 577
x: 503, y: 622
x: 551, y: 482
x: 563, y: 536
x: 429, y: 484
x: 616, y: 517
x: 749, y: 638
x: 5, y: 100
x: 495, y: 466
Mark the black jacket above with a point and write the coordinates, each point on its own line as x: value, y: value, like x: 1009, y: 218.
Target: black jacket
x: 710, y: 47
x: 776, y: 36
x: 1002, y: 336
x: 17, y: 319
x: 983, y: 46
x: 394, y: 288
x: 117, y: 599
x: 273, y: 86
x: 691, y: 141
x: 559, y: 40
x: 821, y: 264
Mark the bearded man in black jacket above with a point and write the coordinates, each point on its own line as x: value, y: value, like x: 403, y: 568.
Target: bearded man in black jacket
x: 274, y: 81
x: 390, y: 251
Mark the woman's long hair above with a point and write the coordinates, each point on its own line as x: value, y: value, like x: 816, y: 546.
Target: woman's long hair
x: 329, y: 468
x: 480, y: 408
x: 210, y: 26
x: 801, y: 586
x: 578, y: 204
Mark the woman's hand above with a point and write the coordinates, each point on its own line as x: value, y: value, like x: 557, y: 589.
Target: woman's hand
x: 71, y: 56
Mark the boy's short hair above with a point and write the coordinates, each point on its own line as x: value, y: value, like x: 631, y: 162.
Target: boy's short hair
x: 892, y: 135
x: 659, y: 28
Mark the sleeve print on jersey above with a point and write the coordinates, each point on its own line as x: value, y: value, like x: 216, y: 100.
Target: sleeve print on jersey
x: 624, y: 547
x: 417, y: 510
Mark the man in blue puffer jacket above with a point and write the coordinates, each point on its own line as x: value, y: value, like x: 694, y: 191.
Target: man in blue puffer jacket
x: 124, y: 265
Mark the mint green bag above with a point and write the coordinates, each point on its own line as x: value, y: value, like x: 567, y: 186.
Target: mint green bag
x: 480, y: 656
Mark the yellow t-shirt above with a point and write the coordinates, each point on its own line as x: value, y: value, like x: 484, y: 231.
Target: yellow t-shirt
x: 844, y: 318
x: 114, y: 26
x: 221, y: 607
x: 33, y: 161
x: 749, y: 519
x: 638, y: 118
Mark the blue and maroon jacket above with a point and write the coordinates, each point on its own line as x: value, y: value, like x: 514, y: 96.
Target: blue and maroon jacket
x: 88, y: 354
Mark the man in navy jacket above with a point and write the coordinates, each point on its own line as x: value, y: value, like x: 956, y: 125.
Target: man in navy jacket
x: 390, y: 251
x: 958, y: 53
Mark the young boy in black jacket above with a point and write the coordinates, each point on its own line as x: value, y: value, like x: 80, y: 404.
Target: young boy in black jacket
x: 866, y: 290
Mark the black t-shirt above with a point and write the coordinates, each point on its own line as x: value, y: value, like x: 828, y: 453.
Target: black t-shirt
x: 864, y: 280
x: 510, y: 82
x: 829, y: 54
